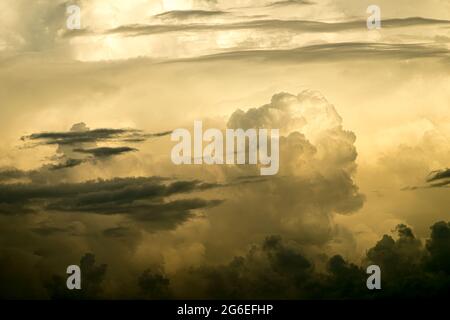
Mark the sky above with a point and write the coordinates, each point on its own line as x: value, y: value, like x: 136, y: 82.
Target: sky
x: 86, y: 175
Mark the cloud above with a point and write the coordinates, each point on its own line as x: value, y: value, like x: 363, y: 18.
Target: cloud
x: 277, y: 269
x: 49, y: 228
x: 189, y: 14
x: 315, y: 182
x: 439, y: 178
x: 37, y: 28
x: 7, y: 174
x: 290, y: 3
x: 318, y: 163
x: 334, y: 52
x: 82, y: 140
x: 48, y: 231
x: 435, y: 179
x: 438, y: 175
x: 143, y: 199
x: 73, y: 137
x: 69, y: 163
x: 80, y: 133
x: 320, y: 184
x: 116, y: 232
x: 268, y: 25
x: 102, y: 152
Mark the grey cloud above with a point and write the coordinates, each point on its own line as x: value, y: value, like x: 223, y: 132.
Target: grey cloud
x: 439, y: 175
x: 266, y: 25
x: 15, y: 208
x: 444, y: 184
x: 141, y: 137
x: 39, y: 27
x: 173, y: 210
x: 82, y: 140
x: 80, y: 133
x: 334, y: 52
x: 188, y: 14
x: 69, y: 163
x: 73, y: 137
x: 145, y: 199
x: 435, y: 179
x: 41, y: 174
x: 117, y: 232
x: 50, y: 228
x: 106, y: 151
x: 291, y: 3
x: 7, y: 174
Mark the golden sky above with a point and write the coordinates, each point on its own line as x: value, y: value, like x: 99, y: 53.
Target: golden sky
x: 365, y: 126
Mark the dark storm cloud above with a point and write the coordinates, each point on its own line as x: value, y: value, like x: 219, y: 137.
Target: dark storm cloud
x: 141, y: 137
x: 73, y: 137
x: 102, y: 152
x: 435, y: 179
x: 267, y: 25
x: 117, y: 190
x: 47, y: 229
x: 277, y: 269
x: 18, y: 193
x: 439, y: 175
x: 40, y: 174
x: 164, y: 214
x: 7, y: 174
x: 15, y: 208
x: 67, y: 33
x: 143, y: 199
x: 82, y: 140
x: 90, y: 136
